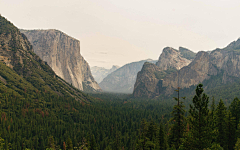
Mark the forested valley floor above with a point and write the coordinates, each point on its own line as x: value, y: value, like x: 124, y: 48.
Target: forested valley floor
x: 115, y: 121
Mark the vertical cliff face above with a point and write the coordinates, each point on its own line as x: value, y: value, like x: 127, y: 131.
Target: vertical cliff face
x: 150, y: 79
x: 27, y: 75
x: 221, y: 66
x: 62, y: 53
x: 147, y: 81
x: 171, y: 58
x: 197, y: 71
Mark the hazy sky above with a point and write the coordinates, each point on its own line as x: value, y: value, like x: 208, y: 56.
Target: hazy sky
x: 116, y: 32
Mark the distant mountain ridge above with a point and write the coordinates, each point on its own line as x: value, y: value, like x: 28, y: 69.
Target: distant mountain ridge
x: 62, y: 53
x: 214, y: 69
x: 99, y: 73
x: 122, y: 80
x: 149, y: 79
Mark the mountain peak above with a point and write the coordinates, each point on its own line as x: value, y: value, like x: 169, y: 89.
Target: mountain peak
x: 234, y: 45
x: 171, y: 58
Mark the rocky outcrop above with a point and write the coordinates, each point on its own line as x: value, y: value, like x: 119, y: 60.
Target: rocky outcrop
x: 196, y: 72
x: 147, y: 81
x: 186, y: 53
x: 62, y: 53
x: 171, y: 58
x: 99, y: 73
x: 220, y: 65
x: 122, y: 80
x: 169, y: 62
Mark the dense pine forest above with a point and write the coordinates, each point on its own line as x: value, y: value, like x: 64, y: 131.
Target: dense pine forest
x: 114, y: 121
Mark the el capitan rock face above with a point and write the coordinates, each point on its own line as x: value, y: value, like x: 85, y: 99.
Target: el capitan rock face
x: 62, y: 53
x: 27, y: 75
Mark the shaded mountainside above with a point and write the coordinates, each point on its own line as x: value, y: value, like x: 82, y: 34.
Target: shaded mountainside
x: 99, y: 73
x: 217, y: 69
x: 122, y: 80
x: 186, y: 53
x: 149, y: 82
x: 62, y: 53
x: 23, y: 72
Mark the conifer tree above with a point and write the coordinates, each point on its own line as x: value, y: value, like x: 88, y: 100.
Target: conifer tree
x: 237, y: 145
x: 230, y: 131
x: 178, y: 120
x: 69, y: 144
x: 142, y: 141
x: 235, y: 112
x: 212, y: 117
x: 199, y: 120
x: 162, y: 138
x: 234, y: 108
x: 221, y: 124
x: 51, y: 143
x: 93, y: 145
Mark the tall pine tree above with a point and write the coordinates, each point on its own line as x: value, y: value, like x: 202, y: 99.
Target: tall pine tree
x: 221, y: 124
x: 178, y: 120
x: 199, y: 120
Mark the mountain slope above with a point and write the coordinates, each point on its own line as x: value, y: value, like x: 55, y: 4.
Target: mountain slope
x: 16, y: 52
x: 62, y: 53
x: 99, y: 73
x: 122, y: 80
x: 217, y: 69
x: 149, y: 80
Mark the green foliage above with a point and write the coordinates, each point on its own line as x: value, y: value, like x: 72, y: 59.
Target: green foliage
x: 6, y: 27
x: 215, y: 147
x: 35, y: 103
x: 199, y: 120
x: 69, y: 144
x: 221, y: 124
x: 237, y: 146
x: 178, y: 120
x: 162, y: 138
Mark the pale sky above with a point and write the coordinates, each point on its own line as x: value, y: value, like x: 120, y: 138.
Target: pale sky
x: 116, y: 32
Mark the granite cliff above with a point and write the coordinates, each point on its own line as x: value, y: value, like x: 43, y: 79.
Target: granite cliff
x: 99, y: 73
x: 25, y: 74
x: 122, y: 80
x: 171, y: 58
x: 62, y: 54
x: 152, y: 75
x: 220, y: 66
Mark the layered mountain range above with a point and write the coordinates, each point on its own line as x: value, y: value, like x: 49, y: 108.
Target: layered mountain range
x: 220, y: 65
x: 122, y: 80
x: 62, y: 54
x: 99, y: 73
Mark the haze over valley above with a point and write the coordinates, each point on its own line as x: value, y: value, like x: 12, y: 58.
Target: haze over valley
x: 119, y: 75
